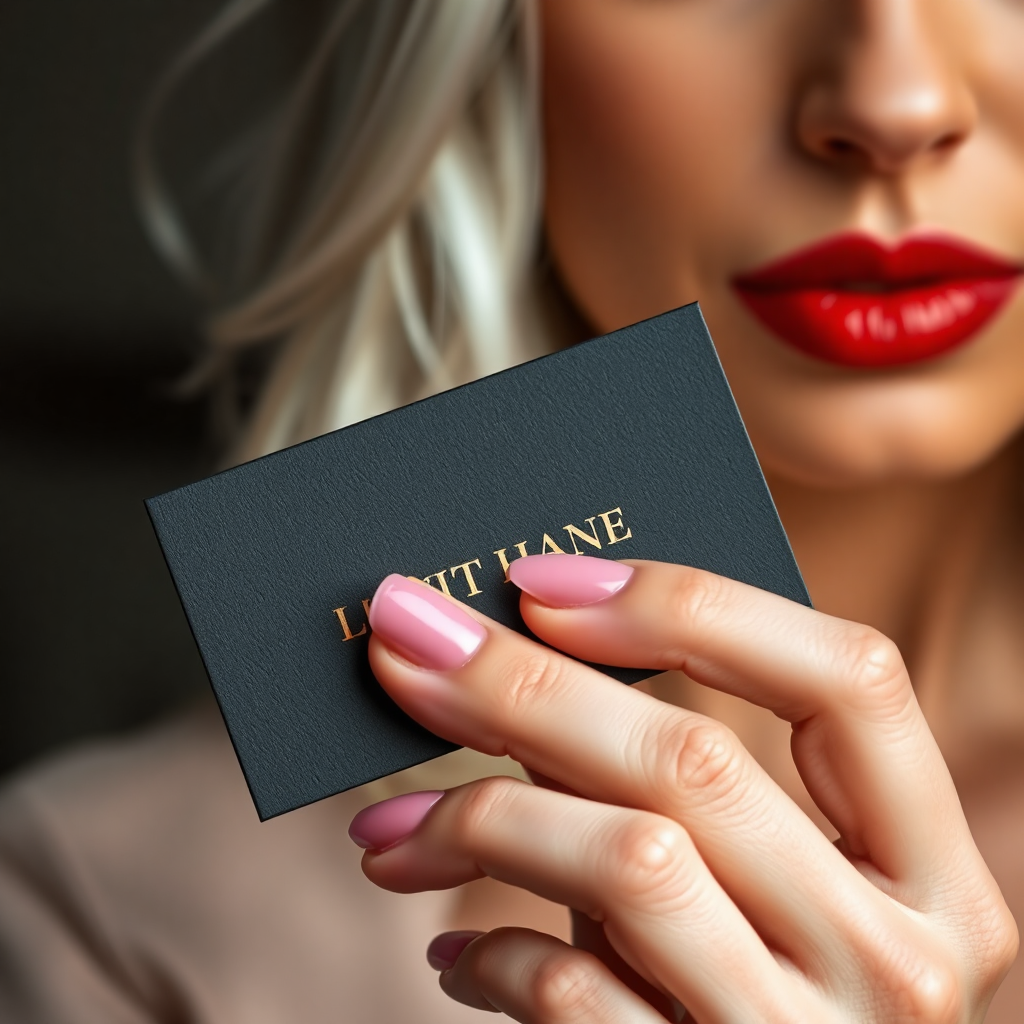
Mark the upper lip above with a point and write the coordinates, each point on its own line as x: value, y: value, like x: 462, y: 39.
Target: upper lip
x: 858, y: 262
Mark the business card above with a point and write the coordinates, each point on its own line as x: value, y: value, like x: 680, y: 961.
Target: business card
x: 627, y: 446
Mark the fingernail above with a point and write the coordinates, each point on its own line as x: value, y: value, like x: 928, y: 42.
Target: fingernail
x: 382, y: 825
x: 447, y: 948
x: 569, y: 581
x: 421, y: 625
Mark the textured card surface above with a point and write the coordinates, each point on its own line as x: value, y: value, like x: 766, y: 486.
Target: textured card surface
x: 627, y: 446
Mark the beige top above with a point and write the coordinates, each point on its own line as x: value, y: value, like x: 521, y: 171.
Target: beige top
x: 138, y: 885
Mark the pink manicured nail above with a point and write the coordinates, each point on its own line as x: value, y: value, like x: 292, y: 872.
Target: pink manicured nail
x: 423, y: 626
x: 569, y: 581
x: 380, y: 826
x: 447, y: 948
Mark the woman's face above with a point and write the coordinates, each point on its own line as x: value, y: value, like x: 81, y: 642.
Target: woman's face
x: 693, y: 142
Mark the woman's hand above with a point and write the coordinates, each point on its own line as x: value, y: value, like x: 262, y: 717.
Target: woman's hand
x: 709, y: 881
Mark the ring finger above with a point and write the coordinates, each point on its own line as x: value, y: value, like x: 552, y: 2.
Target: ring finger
x: 638, y: 872
x: 538, y: 979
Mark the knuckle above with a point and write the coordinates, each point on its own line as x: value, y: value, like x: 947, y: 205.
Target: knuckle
x: 872, y: 672
x: 705, y: 760
x: 482, y: 803
x: 939, y: 987
x: 916, y: 986
x: 999, y: 951
x: 696, y: 596
x: 566, y: 986
x: 934, y: 995
x: 648, y: 862
x: 529, y: 683
x: 1006, y: 945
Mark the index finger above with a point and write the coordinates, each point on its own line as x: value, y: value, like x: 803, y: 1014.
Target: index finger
x: 871, y: 764
x: 860, y: 740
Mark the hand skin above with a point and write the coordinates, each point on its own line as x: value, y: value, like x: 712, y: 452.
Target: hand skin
x: 709, y: 881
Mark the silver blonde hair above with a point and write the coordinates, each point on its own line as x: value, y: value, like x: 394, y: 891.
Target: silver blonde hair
x: 390, y: 231
x: 390, y: 228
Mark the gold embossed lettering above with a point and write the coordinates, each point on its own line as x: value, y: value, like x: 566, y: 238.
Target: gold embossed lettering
x: 342, y: 618
x: 465, y: 568
x: 591, y: 538
x: 611, y: 526
x: 503, y: 558
x: 441, y: 581
x: 549, y: 547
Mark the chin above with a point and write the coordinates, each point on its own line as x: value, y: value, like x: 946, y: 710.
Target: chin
x: 909, y: 434
x: 818, y: 423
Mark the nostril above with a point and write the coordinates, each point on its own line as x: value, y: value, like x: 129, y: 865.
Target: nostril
x: 838, y: 147
x: 948, y: 142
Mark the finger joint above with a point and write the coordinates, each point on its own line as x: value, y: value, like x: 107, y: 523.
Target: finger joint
x: 483, y: 802
x: 567, y: 986
x: 696, y: 597
x: 932, y: 994
x: 873, y: 675
x: 528, y: 685
x: 649, y: 858
x: 702, y: 761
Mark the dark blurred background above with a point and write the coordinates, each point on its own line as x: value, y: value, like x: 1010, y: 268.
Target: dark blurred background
x: 94, y: 332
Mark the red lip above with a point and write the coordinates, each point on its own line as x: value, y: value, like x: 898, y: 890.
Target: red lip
x: 852, y: 301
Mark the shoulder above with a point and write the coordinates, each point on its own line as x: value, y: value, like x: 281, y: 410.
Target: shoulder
x: 117, y: 804
x: 145, y: 858
x: 143, y: 826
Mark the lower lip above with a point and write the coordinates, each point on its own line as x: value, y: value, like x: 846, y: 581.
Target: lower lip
x: 869, y: 329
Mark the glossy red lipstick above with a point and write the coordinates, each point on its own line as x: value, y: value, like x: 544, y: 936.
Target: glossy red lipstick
x: 853, y: 301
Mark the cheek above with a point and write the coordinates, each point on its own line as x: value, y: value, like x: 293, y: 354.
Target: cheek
x: 641, y: 165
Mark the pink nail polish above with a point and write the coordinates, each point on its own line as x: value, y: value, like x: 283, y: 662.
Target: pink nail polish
x: 444, y: 950
x: 569, y: 581
x: 421, y: 625
x: 382, y: 825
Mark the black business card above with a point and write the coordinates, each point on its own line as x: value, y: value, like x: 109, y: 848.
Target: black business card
x: 627, y: 446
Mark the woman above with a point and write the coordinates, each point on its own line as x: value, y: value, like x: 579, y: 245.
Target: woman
x: 837, y: 184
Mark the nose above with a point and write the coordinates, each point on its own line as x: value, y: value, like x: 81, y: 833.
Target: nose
x: 893, y: 92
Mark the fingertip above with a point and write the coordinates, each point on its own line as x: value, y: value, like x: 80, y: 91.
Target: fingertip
x: 447, y: 947
x: 569, y: 581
